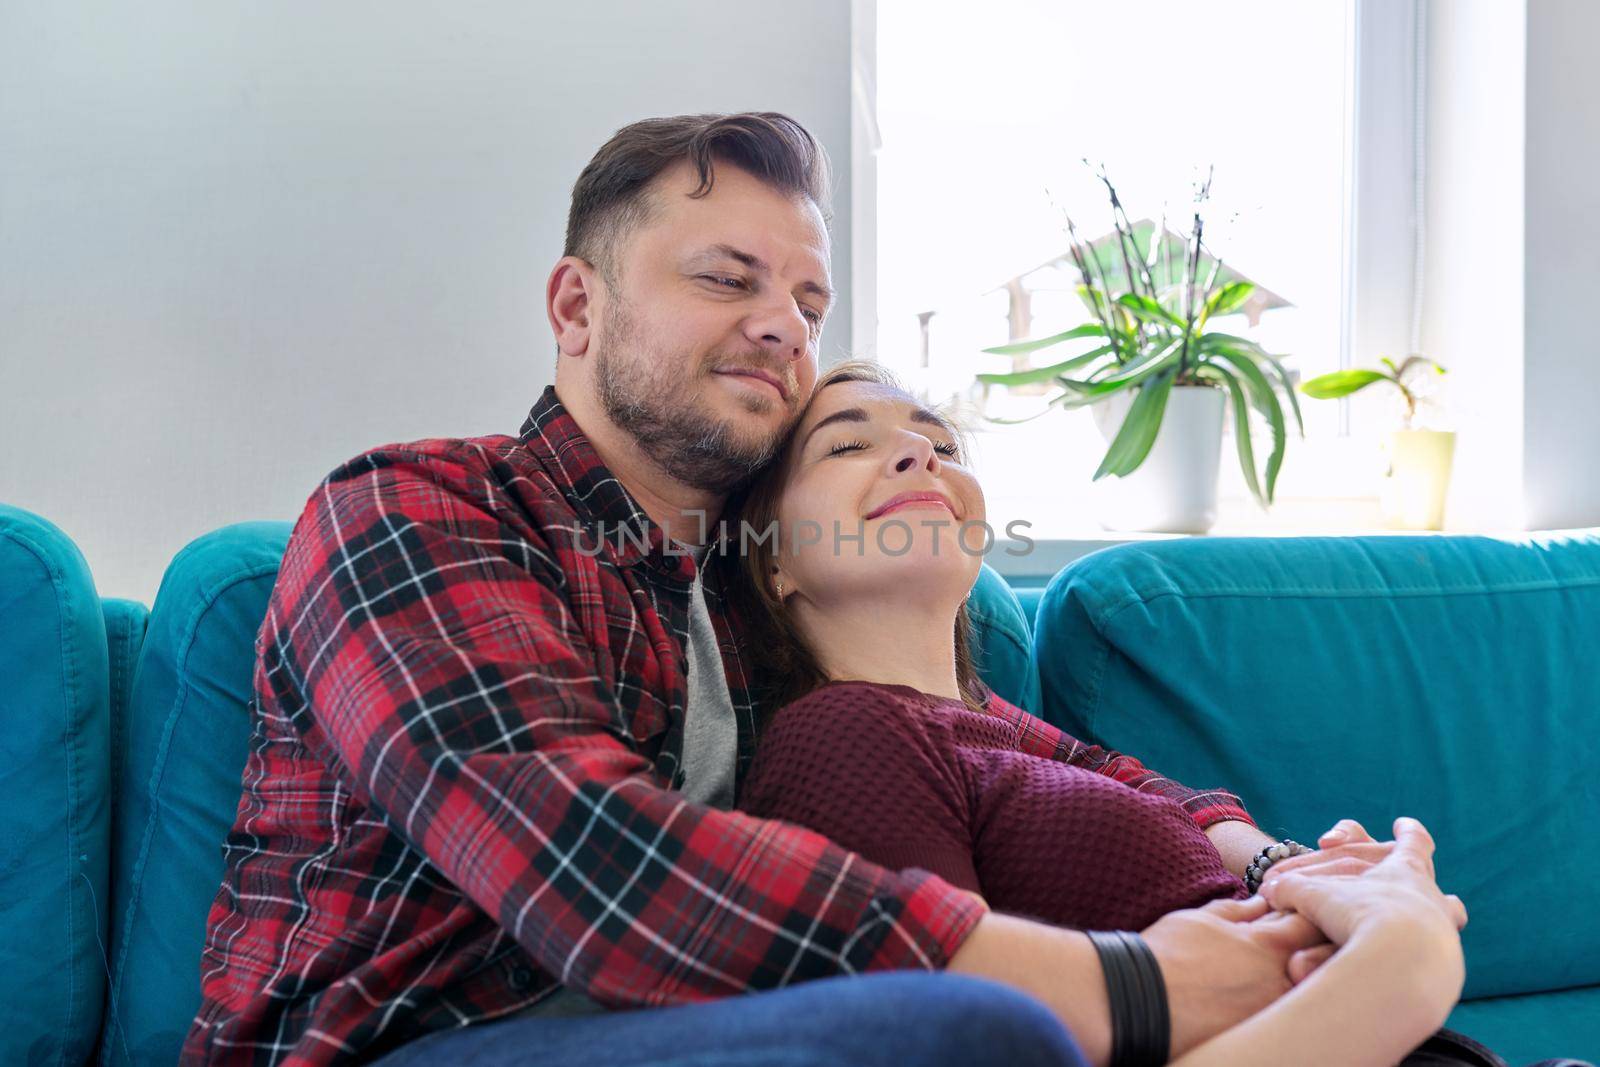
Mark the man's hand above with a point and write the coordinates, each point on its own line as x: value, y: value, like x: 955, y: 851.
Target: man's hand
x: 1224, y: 962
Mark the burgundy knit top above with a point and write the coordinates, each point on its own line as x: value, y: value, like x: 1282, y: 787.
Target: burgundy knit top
x: 907, y: 779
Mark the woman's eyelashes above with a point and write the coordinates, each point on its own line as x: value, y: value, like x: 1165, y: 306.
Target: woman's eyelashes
x: 947, y: 449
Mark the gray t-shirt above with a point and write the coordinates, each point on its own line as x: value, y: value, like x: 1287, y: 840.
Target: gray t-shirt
x: 710, y: 728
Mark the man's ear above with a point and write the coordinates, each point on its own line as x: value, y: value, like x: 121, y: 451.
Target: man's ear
x: 569, y: 301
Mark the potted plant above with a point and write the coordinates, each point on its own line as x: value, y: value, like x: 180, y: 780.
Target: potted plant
x: 1417, y: 481
x: 1157, y: 378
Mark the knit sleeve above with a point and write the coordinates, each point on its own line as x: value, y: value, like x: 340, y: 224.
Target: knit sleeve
x: 1036, y: 737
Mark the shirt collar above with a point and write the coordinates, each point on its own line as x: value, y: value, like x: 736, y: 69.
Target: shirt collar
x: 607, y: 510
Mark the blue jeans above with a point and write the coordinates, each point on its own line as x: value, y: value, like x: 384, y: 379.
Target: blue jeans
x: 901, y: 1019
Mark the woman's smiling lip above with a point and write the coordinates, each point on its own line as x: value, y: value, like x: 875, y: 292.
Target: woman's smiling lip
x: 758, y: 375
x: 901, y: 500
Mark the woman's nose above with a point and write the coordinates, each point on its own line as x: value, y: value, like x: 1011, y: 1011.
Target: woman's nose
x: 914, y: 452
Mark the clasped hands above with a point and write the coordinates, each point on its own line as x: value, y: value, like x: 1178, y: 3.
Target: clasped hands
x: 1349, y: 851
x: 1230, y: 959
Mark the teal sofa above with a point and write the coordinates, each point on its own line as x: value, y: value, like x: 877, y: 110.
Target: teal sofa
x: 1449, y: 678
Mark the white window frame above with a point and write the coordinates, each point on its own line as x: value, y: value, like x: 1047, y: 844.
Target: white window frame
x: 1379, y: 254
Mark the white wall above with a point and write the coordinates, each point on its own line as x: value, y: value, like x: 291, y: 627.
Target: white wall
x: 1561, y: 384
x: 241, y: 242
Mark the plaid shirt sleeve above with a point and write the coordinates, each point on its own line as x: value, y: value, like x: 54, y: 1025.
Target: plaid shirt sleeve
x: 446, y: 672
x: 1037, y: 737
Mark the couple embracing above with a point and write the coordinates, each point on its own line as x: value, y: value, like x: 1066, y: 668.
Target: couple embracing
x: 512, y: 800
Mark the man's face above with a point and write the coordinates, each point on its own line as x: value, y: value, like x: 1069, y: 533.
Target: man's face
x: 706, y: 338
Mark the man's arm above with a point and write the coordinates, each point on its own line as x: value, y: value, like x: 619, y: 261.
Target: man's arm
x: 427, y: 650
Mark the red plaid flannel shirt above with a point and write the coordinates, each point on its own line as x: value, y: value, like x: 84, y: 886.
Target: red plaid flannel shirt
x: 459, y: 790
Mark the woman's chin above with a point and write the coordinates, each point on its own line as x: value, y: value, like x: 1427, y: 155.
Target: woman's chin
x: 922, y: 572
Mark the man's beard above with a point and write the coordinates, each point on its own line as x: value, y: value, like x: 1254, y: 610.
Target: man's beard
x: 659, y: 404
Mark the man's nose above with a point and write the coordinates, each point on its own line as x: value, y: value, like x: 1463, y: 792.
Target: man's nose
x: 781, y: 328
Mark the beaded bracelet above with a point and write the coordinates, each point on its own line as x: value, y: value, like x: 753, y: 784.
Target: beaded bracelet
x: 1267, y: 857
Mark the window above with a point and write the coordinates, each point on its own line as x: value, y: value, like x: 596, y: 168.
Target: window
x: 982, y: 108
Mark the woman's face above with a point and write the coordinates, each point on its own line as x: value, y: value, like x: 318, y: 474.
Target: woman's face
x: 874, y: 501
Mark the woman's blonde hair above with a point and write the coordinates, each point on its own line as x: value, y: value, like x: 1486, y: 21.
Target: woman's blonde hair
x: 778, y: 650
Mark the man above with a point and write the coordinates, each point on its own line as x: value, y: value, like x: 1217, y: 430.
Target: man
x: 500, y: 717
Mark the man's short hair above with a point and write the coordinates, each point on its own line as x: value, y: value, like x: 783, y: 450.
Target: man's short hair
x: 611, y: 196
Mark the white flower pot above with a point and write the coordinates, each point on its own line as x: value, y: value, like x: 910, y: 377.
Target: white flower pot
x: 1175, y: 489
x: 1418, y: 479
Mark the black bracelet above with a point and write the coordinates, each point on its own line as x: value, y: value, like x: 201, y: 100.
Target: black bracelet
x: 1141, y: 1026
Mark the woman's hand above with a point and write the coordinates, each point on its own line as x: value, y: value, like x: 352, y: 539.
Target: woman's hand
x: 1391, y: 902
x: 1348, y: 840
x: 1392, y: 980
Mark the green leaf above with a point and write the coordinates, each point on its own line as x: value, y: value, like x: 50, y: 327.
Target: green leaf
x: 1139, y: 428
x: 1094, y: 300
x: 1340, y: 383
x: 1208, y: 342
x: 1229, y: 298
x: 1144, y: 308
x: 1044, y: 374
x: 1387, y: 362
x: 1111, y: 377
x: 1017, y: 348
x: 1265, y: 401
x: 1288, y: 391
x: 1241, y: 430
x: 1061, y: 400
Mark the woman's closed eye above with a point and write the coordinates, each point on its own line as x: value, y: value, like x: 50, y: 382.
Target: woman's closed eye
x: 947, y: 449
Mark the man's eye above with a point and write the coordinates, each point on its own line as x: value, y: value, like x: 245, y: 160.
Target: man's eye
x: 724, y: 281
x: 945, y: 448
x: 846, y: 446
x: 814, y: 317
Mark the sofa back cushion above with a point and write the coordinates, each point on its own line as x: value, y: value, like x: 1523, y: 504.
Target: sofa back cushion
x: 1454, y: 679
x: 187, y: 734
x: 55, y: 816
x: 1003, y: 641
x: 125, y: 626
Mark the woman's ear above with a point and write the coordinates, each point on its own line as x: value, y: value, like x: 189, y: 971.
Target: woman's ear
x: 780, y: 584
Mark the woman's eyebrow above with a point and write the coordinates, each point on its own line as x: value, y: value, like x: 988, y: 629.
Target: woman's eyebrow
x: 933, y: 418
x: 921, y: 415
x: 842, y: 415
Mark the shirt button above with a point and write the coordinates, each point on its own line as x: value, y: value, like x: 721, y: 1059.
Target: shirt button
x: 522, y: 978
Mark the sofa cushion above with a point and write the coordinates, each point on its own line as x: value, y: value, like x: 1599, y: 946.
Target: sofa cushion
x: 125, y: 622
x: 1003, y: 641
x: 1535, y: 1026
x: 1449, y: 678
x: 55, y: 816
x: 188, y: 731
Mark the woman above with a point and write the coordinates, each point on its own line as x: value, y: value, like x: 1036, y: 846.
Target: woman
x: 886, y: 741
